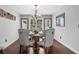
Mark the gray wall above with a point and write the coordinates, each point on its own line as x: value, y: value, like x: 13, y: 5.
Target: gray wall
x: 8, y: 28
x: 43, y: 17
x: 70, y: 33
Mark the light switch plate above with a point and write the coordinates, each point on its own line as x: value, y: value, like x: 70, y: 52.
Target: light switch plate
x: 60, y: 37
x: 78, y: 25
x: 5, y: 40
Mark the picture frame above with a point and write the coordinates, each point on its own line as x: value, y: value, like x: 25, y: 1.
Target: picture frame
x: 60, y: 20
x: 24, y: 23
x: 7, y: 15
x: 47, y: 23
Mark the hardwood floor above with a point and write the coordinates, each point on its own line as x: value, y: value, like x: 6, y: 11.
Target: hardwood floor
x: 57, y: 48
x: 13, y: 48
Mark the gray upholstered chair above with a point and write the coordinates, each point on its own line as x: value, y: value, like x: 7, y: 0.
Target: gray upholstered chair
x: 24, y: 38
x: 49, y: 38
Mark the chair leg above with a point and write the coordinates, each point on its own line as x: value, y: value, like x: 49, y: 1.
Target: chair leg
x: 20, y: 51
x: 47, y: 50
x: 27, y: 49
x: 22, y: 48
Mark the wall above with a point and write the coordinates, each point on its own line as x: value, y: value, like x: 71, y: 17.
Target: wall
x: 29, y: 16
x: 70, y: 33
x: 8, y: 28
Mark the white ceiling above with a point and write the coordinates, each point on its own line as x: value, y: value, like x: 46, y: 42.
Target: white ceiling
x: 29, y: 9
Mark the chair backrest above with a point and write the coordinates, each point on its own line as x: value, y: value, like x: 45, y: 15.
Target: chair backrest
x: 49, y: 37
x: 23, y: 36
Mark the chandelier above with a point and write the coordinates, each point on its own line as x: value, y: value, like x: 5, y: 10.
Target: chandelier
x: 35, y: 16
x: 35, y: 12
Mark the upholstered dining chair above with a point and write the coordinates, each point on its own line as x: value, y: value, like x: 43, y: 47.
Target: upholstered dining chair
x: 24, y: 40
x: 49, y: 38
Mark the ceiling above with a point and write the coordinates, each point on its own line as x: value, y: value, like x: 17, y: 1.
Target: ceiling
x: 29, y: 9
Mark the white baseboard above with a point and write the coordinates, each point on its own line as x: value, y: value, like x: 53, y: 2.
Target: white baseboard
x: 68, y: 46
x: 9, y: 44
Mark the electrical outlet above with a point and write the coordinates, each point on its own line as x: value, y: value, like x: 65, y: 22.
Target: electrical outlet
x: 5, y: 40
x: 78, y: 25
x: 60, y: 37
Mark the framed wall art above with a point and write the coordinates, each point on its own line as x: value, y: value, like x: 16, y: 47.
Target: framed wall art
x: 60, y: 20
